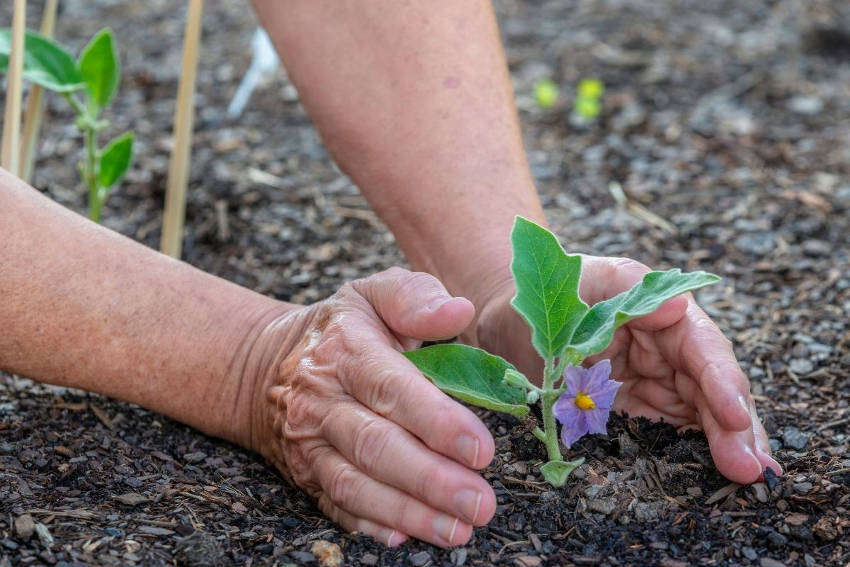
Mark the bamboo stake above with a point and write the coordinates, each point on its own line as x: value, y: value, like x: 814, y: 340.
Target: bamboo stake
x: 35, y: 102
x: 184, y: 115
x: 10, y: 153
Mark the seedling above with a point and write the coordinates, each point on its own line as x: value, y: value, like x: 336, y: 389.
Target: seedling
x: 546, y: 93
x: 564, y: 331
x: 96, y: 74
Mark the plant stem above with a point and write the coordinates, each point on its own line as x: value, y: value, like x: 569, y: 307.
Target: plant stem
x: 89, y: 173
x: 547, y: 399
x: 95, y: 202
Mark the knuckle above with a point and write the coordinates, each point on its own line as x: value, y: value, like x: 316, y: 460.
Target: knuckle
x: 627, y: 265
x: 384, y: 395
x: 344, y: 486
x: 370, y: 445
x: 430, y: 479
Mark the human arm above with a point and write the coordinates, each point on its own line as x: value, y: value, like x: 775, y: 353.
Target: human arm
x: 83, y: 307
x: 414, y: 102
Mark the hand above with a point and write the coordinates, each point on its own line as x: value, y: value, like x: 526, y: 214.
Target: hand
x: 675, y: 365
x: 354, y: 423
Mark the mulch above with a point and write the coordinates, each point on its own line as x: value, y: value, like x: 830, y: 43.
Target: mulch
x: 723, y: 144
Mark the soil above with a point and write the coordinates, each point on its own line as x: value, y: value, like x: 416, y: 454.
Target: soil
x: 723, y: 144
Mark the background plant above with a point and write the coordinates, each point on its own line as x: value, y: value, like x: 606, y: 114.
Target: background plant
x: 95, y: 74
x: 565, y: 331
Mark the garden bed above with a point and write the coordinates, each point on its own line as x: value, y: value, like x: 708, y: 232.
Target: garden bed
x: 729, y: 121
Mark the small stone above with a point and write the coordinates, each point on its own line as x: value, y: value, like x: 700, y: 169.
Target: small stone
x: 458, y: 556
x: 770, y: 479
x: 527, y: 561
x: 602, y: 505
x: 239, y: 508
x: 44, y: 535
x: 756, y: 243
x: 807, y: 105
x: 132, y: 498
x: 24, y: 526
x: 420, y: 559
x: 303, y: 556
x: 593, y: 491
x: 749, y: 553
x: 768, y: 562
x: 801, y: 366
x: 803, y: 487
x: 794, y: 438
x: 195, y: 457
x: 760, y: 492
x: 777, y: 539
x: 694, y: 491
x: 369, y: 559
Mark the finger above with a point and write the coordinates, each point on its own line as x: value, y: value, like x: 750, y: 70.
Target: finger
x: 733, y: 451
x: 697, y: 347
x: 603, y: 278
x: 415, y: 304
x: 391, y: 386
x: 763, y: 452
x: 388, y: 453
x: 383, y: 534
x: 346, y: 490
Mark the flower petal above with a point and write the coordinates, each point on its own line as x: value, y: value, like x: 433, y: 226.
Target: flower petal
x: 596, y: 420
x: 596, y: 376
x: 574, y: 428
x: 573, y: 377
x: 604, y: 396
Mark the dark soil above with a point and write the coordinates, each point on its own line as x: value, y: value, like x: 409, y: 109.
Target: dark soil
x: 729, y: 121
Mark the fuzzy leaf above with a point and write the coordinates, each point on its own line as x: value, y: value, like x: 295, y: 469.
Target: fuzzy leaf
x: 547, y: 281
x: 557, y: 472
x: 472, y: 375
x: 596, y: 330
x: 115, y: 160
x: 46, y: 63
x: 100, y: 69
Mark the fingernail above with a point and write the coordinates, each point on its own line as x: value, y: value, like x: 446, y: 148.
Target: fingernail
x: 749, y: 451
x: 439, y: 302
x: 468, y: 502
x: 394, y: 539
x: 467, y: 447
x: 444, y: 527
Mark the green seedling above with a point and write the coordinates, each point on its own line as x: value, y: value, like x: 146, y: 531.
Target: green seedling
x: 564, y: 331
x: 95, y: 74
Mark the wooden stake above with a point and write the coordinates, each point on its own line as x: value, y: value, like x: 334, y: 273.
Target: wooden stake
x: 35, y: 102
x: 184, y: 116
x: 10, y: 153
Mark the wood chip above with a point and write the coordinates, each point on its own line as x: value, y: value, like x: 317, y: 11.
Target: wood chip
x: 723, y: 493
x: 103, y: 417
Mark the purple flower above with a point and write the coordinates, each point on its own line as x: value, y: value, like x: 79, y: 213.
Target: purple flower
x: 584, y: 407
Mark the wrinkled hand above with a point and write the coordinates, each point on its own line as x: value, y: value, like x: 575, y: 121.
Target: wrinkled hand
x: 675, y: 365
x: 354, y: 423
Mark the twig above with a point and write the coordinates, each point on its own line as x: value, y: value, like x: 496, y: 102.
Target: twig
x: 11, y: 150
x: 639, y: 211
x: 35, y: 102
x: 184, y: 117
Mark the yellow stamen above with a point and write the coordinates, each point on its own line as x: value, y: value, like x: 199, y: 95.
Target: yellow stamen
x: 585, y: 402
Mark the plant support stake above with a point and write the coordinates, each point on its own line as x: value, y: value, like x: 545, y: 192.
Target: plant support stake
x: 35, y: 102
x: 10, y: 155
x: 178, y: 169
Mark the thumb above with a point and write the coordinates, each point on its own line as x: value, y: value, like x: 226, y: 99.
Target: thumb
x: 415, y: 304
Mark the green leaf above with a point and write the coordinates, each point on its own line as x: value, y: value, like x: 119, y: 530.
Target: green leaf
x: 46, y: 63
x: 547, y: 281
x: 472, y: 375
x: 556, y: 472
x: 115, y: 160
x: 596, y: 329
x: 100, y: 69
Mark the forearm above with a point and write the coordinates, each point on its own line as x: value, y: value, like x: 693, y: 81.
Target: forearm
x: 414, y: 102
x: 83, y: 307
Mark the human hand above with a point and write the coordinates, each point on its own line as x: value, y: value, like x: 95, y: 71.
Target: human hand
x: 675, y: 365
x: 356, y: 425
